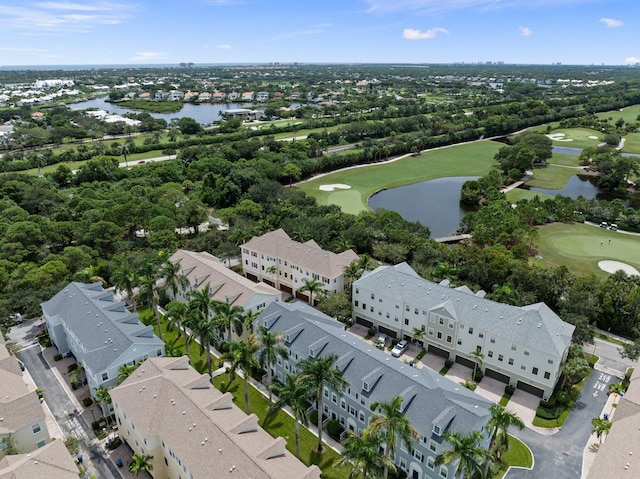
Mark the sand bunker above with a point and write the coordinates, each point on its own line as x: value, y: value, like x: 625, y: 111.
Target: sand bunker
x: 558, y: 137
x: 336, y: 186
x: 592, y: 137
x: 613, y: 266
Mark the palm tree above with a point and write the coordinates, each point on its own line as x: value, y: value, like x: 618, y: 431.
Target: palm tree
x: 125, y: 280
x: 616, y: 388
x: 172, y: 350
x: 467, y: 451
x: 177, y: 313
x: 104, y: 398
x: 124, y: 151
x: 418, y: 334
x: 500, y: 421
x: 315, y: 374
x: 207, y: 330
x: 271, y: 348
x: 390, y: 423
x: 352, y: 272
x: 140, y: 463
x: 243, y: 356
x: 149, y: 292
x: 600, y: 427
x: 313, y: 286
x: 76, y: 373
x: 273, y: 270
x: 296, y: 395
x: 366, y: 263
x: 362, y: 454
x: 201, y: 300
x: 229, y: 317
x: 174, y: 280
x: 478, y: 359
x: 127, y: 370
x: 89, y: 275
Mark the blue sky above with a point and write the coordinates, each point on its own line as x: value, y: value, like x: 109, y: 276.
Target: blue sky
x: 319, y: 31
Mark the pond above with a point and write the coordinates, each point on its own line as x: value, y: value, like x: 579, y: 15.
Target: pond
x: 434, y: 203
x: 204, y: 113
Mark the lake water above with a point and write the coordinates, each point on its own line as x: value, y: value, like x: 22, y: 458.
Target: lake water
x: 434, y: 203
x: 204, y: 113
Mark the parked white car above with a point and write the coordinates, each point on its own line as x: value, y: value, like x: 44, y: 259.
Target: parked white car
x: 400, y: 348
x: 381, y: 341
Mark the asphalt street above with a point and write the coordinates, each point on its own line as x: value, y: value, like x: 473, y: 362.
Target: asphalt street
x: 560, y: 456
x: 609, y: 356
x: 63, y: 410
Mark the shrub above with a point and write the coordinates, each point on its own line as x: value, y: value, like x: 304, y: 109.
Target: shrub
x: 86, y: 402
x: 469, y: 385
x: 57, y: 357
x: 74, y: 386
x: 421, y: 355
x: 549, y: 413
x: 334, y: 429
x: 478, y: 376
x: 509, y: 390
x: 448, y: 363
x: 550, y: 404
x: 313, y: 417
x: 114, y: 443
x: 372, y: 331
x: 72, y: 367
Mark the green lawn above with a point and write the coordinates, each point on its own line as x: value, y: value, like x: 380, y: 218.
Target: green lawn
x: 629, y: 114
x: 551, y: 177
x: 632, y: 143
x: 518, y: 455
x: 579, y: 137
x: 553, y: 423
x: 518, y: 194
x: 472, y: 159
x: 577, y: 246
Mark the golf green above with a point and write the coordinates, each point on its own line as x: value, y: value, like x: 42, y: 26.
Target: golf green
x: 580, y: 247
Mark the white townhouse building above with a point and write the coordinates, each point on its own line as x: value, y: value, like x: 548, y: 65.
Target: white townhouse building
x: 433, y: 404
x: 525, y: 347
x: 22, y: 418
x: 102, y: 334
x: 284, y: 263
x: 193, y: 431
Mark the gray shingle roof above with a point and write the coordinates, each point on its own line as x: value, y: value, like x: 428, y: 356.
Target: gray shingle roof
x: 427, y: 393
x: 104, y: 326
x: 535, y: 325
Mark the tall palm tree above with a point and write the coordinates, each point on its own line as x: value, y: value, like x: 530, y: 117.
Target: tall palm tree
x: 312, y: 286
x: 600, y: 427
x: 76, y: 373
x: 478, y: 357
x: 89, y: 275
x: 316, y: 373
x: 125, y: 280
x: 273, y: 270
x: 127, y: 370
x: 174, y: 280
x: 362, y: 454
x: 207, y: 330
x: 229, y: 317
x: 418, y: 334
x: 390, y: 423
x: 352, y: 272
x: 201, y: 300
x: 296, y: 395
x: 467, y: 451
x: 243, y: 357
x: 366, y: 263
x: 140, y: 463
x: 500, y: 421
x: 177, y: 313
x: 172, y: 350
x: 104, y: 399
x: 271, y: 349
x: 149, y: 291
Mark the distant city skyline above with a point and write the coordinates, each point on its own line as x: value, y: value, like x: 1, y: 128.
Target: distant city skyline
x: 143, y: 32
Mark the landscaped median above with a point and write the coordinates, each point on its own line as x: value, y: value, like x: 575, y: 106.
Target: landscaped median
x: 518, y: 455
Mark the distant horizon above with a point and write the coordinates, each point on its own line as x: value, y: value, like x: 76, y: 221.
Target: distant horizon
x: 39, y: 33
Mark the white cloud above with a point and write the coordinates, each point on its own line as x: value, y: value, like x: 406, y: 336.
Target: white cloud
x: 415, y: 34
x: 148, y: 56
x: 387, y: 6
x: 62, y: 17
x: 632, y: 61
x: 611, y: 22
x: 224, y: 46
x: 525, y: 31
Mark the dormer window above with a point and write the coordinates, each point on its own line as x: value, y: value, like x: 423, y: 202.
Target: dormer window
x: 366, y: 386
x: 436, y: 430
x: 312, y: 353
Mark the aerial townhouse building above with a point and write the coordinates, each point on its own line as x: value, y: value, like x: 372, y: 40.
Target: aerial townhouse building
x: 433, y: 404
x: 525, y: 347
x: 285, y: 264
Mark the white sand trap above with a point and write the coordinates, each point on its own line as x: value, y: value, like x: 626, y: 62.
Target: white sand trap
x: 558, y: 137
x: 336, y: 186
x: 592, y: 137
x: 613, y: 266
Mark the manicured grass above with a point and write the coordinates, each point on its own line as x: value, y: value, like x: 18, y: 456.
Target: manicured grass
x: 632, y: 143
x: 471, y: 159
x: 551, y: 177
x: 609, y: 339
x: 283, y: 425
x: 504, y: 400
x: 579, y: 136
x: 629, y: 114
x: 518, y: 194
x: 518, y: 455
x: 551, y: 423
x: 577, y: 246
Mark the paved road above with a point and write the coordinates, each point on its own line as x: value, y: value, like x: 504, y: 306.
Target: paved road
x: 560, y: 456
x: 609, y: 356
x: 63, y: 409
